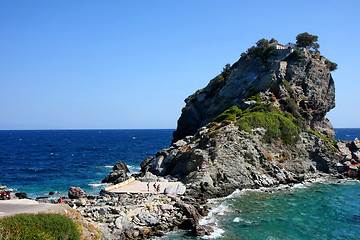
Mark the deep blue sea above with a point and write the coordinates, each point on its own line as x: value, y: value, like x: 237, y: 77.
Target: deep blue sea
x: 37, y: 162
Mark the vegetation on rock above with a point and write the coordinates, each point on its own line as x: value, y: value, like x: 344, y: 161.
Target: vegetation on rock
x: 229, y: 114
x: 307, y: 41
x: 331, y: 65
x: 278, y: 125
x: 294, y: 56
x: 261, y: 50
x: 330, y: 141
x: 39, y: 226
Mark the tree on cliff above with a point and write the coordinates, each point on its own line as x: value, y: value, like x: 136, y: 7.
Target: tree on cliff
x: 307, y: 40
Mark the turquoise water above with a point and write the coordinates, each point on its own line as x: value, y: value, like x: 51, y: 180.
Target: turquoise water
x: 316, y: 211
x: 328, y: 210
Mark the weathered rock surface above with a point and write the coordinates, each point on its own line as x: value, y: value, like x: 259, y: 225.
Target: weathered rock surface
x: 118, y: 175
x: 349, y: 150
x: 175, y: 190
x: 137, y: 216
x: 310, y: 80
x: 242, y: 160
x: 76, y: 192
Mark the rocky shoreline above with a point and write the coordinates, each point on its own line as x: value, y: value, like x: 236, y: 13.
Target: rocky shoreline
x: 144, y: 216
x: 140, y: 216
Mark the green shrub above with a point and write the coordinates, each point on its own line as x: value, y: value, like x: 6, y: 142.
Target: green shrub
x: 292, y: 107
x: 244, y: 126
x: 229, y: 114
x: 278, y: 125
x: 331, y: 65
x: 294, y: 56
x: 39, y: 226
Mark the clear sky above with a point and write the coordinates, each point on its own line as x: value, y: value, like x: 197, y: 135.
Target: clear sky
x: 130, y: 64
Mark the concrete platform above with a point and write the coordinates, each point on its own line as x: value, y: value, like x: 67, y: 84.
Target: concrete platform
x: 15, y: 206
x: 141, y: 187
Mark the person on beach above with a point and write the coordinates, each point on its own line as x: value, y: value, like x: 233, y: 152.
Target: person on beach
x: 148, y: 186
x: 158, y: 188
x: 118, y: 201
x: 2, y: 195
x: 154, y: 186
x: 60, y: 200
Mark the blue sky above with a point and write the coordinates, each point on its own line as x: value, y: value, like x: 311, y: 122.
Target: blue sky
x: 130, y: 64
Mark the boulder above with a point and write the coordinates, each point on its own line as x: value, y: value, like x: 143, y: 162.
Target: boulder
x: 188, y: 223
x: 148, y: 218
x: 356, y: 155
x: 21, y: 195
x: 103, y: 193
x: 356, y: 144
x: 149, y: 177
x: 178, y: 189
x: 201, y: 230
x: 76, y: 192
x: 167, y: 207
x: 189, y: 210
x: 146, y: 164
x: 118, y: 175
x: 344, y: 150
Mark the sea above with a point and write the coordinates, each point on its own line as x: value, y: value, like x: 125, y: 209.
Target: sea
x: 40, y: 161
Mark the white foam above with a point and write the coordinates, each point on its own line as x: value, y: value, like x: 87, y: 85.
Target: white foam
x: 98, y: 184
x: 238, y: 219
x: 108, y: 166
x: 216, y: 234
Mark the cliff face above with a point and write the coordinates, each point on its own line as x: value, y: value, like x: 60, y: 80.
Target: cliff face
x: 304, y: 78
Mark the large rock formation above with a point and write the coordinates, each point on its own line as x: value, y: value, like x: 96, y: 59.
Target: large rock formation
x: 279, y: 135
x: 118, y: 175
x: 284, y: 74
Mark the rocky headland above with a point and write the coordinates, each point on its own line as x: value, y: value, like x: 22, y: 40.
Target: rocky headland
x: 260, y: 123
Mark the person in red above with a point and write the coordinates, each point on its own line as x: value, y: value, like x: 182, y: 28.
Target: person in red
x: 60, y: 200
x: 2, y: 195
x: 8, y: 195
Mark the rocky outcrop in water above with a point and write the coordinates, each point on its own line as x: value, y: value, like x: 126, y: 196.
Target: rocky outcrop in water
x: 260, y: 123
x: 118, y: 175
x: 303, y: 76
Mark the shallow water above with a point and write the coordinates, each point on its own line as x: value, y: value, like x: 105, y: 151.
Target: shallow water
x: 317, y: 211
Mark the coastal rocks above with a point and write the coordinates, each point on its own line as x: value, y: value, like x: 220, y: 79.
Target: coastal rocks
x: 118, y: 175
x: 104, y: 193
x: 146, y: 218
x: 21, y: 195
x: 350, y: 150
x: 215, y: 166
x: 175, y: 190
x: 76, y: 192
x: 149, y: 177
x: 139, y: 216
